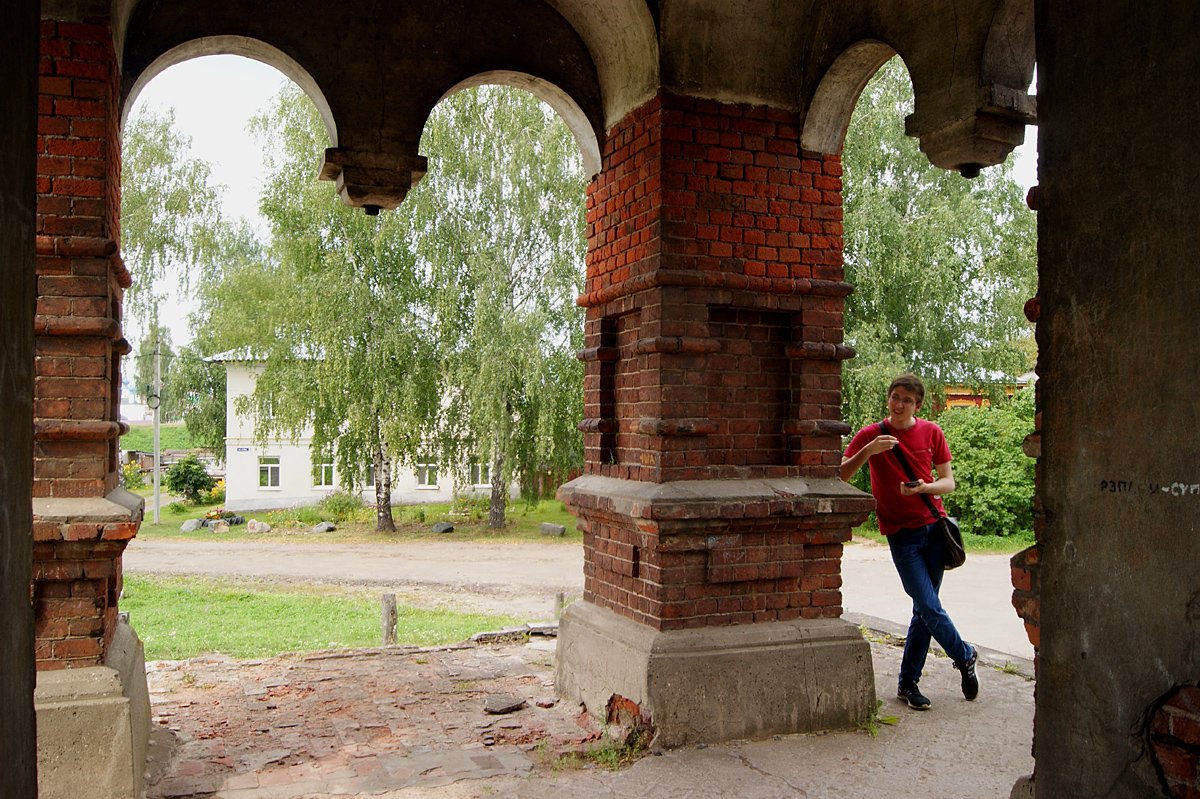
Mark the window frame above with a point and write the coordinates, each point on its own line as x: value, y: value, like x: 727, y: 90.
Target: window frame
x: 266, y: 465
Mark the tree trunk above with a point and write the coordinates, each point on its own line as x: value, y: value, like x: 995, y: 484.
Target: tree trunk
x: 384, y: 523
x: 499, y: 494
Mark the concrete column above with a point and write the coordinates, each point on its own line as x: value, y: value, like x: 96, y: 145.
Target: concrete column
x: 1119, y: 174
x: 18, y: 98
x: 712, y: 515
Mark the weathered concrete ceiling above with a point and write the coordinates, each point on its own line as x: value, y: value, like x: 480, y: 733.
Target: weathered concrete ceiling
x: 376, y: 69
x: 970, y: 62
x: 381, y: 67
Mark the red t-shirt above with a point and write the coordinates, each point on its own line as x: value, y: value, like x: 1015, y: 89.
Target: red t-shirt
x: 924, y: 445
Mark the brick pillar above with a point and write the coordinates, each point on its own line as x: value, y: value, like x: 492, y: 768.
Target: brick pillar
x: 712, y: 514
x: 82, y: 519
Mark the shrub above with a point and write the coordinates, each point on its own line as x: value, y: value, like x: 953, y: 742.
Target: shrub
x: 189, y: 479
x: 132, y: 478
x: 474, y: 506
x: 217, y: 494
x: 994, y: 477
x: 177, y: 507
x: 341, y: 506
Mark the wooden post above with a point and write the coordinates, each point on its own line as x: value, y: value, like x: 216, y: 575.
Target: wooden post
x: 388, y: 622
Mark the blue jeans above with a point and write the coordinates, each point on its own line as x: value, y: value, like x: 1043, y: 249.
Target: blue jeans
x: 919, y: 557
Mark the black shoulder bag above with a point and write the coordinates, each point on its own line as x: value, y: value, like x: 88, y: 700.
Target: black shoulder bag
x: 947, y: 528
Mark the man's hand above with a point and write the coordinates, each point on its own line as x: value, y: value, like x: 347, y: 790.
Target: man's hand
x: 881, y: 444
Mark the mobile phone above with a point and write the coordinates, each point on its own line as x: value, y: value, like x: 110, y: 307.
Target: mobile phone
x: 912, y: 483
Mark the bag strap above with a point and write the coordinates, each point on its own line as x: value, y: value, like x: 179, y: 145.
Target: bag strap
x: 899, y: 453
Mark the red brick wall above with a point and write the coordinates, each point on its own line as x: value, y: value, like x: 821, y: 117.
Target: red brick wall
x: 77, y: 347
x: 80, y: 276
x: 714, y: 297
x: 732, y: 563
x: 1174, y: 736
x: 76, y: 585
x: 713, y: 349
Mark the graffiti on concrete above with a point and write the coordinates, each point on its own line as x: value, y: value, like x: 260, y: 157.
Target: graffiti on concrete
x: 1173, y: 489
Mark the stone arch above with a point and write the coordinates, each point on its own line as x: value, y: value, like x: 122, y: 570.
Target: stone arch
x: 562, y: 103
x: 836, y: 95
x: 622, y: 37
x: 240, y: 46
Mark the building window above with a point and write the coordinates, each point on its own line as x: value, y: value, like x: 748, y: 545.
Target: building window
x: 481, y: 475
x: 370, y: 476
x: 323, y: 474
x: 268, y: 471
x: 427, y: 472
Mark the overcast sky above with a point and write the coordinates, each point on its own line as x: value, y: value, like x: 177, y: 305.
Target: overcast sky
x: 214, y: 98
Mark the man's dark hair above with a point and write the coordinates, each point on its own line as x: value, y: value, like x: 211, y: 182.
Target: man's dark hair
x: 910, y: 382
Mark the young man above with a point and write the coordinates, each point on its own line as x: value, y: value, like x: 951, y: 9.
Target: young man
x: 908, y: 523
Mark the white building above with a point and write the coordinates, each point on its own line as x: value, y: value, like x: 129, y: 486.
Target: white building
x: 282, y: 474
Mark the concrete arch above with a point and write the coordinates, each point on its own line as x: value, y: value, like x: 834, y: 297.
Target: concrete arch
x: 240, y: 46
x: 622, y: 37
x: 562, y: 103
x: 837, y: 94
x: 1010, y: 50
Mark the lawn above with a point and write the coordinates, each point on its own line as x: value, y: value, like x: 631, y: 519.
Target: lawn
x: 182, y: 617
x: 989, y: 544
x: 170, y: 436
x: 413, y: 523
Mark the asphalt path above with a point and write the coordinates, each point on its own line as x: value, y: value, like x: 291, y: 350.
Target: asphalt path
x: 524, y: 579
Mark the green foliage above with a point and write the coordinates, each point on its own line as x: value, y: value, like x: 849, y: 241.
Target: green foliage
x: 189, y: 479
x: 500, y: 216
x: 177, y: 507
x: 340, y: 506
x: 941, y: 265
x: 131, y: 477
x: 994, y: 477
x: 872, y: 723
x: 474, y: 506
x: 170, y: 212
x: 183, y: 617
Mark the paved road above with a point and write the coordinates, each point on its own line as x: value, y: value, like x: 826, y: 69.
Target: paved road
x: 524, y: 578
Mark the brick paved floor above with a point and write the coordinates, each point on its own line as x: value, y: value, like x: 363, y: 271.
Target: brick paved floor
x: 361, y: 721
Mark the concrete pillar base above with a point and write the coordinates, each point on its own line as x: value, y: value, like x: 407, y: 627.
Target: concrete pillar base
x: 93, y: 725
x: 717, y: 683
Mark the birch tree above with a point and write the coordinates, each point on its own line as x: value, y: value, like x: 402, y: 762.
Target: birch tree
x: 941, y: 265
x: 499, y: 223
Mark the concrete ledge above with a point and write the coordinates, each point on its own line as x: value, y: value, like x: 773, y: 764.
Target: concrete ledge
x: 718, y: 683
x: 93, y: 726
x: 119, y: 506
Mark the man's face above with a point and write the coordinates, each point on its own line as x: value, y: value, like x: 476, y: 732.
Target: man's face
x: 903, y: 404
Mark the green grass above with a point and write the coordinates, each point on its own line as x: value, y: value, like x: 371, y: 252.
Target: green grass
x: 170, y: 436
x: 524, y: 524
x: 983, y: 544
x: 182, y: 617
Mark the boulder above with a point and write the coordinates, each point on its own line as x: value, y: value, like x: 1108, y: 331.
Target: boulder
x: 443, y: 527
x: 255, y: 526
x: 218, y: 526
x: 190, y: 526
x: 324, y: 527
x: 553, y: 529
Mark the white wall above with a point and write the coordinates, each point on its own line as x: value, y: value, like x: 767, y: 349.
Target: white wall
x: 242, y: 489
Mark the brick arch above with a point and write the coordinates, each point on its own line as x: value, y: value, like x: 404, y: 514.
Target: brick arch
x: 239, y: 46
x: 562, y: 103
x: 837, y: 94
